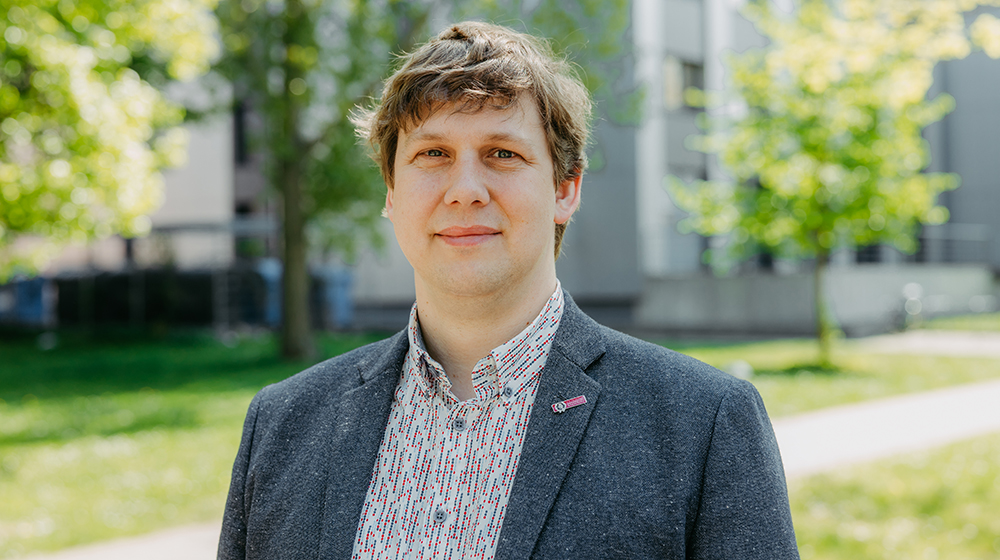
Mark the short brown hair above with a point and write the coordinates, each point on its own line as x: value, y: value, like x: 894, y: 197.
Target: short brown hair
x: 477, y: 65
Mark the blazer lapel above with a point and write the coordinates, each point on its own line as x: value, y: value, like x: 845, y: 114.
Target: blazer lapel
x: 552, y: 438
x: 361, y: 417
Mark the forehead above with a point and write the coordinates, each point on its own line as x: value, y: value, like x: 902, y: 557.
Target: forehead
x: 520, y: 118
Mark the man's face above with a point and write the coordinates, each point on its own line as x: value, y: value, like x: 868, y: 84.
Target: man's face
x: 473, y: 203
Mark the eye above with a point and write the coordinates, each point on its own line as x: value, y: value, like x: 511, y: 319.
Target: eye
x: 434, y: 152
x: 504, y: 154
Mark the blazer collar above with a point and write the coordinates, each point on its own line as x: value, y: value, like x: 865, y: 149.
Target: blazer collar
x: 553, y: 438
x: 579, y: 337
x: 388, y: 361
x: 360, y: 418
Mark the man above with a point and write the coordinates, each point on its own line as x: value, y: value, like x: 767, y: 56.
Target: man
x: 502, y: 422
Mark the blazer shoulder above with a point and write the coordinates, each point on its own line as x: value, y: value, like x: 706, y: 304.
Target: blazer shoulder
x: 643, y: 363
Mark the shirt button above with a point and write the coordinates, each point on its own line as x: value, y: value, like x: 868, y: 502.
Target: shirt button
x: 508, y: 392
x: 458, y: 425
x: 440, y: 515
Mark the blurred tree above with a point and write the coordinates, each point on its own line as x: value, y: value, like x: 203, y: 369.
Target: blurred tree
x: 820, y: 131
x: 303, y: 65
x: 83, y: 128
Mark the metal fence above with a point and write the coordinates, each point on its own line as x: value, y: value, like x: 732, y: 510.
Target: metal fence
x: 956, y: 243
x: 218, y: 275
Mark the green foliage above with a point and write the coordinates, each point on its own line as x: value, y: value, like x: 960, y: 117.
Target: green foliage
x: 303, y: 67
x: 83, y: 129
x: 938, y: 504
x: 820, y: 130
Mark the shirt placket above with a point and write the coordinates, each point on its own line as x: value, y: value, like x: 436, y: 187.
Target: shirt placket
x: 448, y: 500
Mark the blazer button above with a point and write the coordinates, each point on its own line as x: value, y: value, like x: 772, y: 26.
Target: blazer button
x: 440, y: 515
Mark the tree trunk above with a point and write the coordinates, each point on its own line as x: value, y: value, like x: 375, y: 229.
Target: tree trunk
x: 824, y: 324
x: 296, y: 333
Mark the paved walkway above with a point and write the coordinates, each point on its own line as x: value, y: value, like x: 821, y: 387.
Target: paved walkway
x: 193, y: 542
x: 810, y: 443
x: 941, y: 343
x: 839, y: 436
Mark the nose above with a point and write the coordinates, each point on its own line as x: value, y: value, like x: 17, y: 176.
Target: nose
x: 467, y: 184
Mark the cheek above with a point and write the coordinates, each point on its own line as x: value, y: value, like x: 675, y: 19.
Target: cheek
x: 411, y: 212
x: 536, y: 212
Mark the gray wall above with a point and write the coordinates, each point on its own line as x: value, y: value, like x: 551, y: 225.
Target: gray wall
x: 600, y: 260
x: 864, y: 300
x: 971, y: 145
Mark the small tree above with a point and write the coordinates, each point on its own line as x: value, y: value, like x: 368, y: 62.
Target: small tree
x: 303, y: 65
x: 84, y: 130
x: 820, y: 131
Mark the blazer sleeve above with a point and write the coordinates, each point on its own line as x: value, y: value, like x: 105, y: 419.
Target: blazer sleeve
x: 232, y: 542
x: 743, y: 511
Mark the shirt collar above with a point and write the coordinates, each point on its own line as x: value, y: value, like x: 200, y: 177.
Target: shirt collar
x: 512, y: 364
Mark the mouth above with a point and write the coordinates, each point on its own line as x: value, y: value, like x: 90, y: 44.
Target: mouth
x: 467, y: 236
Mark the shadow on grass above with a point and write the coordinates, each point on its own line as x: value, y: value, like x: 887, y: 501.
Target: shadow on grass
x: 64, y: 423
x: 114, y: 382
x: 113, y: 361
x: 805, y: 370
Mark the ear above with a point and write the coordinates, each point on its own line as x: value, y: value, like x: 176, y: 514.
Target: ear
x: 567, y: 199
x: 387, y: 211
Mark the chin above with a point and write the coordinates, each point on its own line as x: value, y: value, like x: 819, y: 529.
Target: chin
x: 477, y: 281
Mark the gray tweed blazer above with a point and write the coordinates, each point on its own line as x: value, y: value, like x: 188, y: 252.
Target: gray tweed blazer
x: 669, y: 458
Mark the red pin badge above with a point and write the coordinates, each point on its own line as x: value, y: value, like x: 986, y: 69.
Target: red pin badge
x: 563, y: 406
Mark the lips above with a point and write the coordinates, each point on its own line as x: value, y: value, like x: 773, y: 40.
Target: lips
x: 467, y: 236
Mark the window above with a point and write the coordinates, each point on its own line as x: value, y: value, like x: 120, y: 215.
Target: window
x: 868, y: 254
x: 241, y: 153
x: 678, y: 77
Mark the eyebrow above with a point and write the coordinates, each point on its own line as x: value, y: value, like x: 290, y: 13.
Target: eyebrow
x: 437, y: 137
x: 504, y: 137
x: 422, y: 137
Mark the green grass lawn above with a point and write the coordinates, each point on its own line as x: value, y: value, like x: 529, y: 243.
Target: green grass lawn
x: 124, y: 434
x: 941, y: 504
x: 788, y: 387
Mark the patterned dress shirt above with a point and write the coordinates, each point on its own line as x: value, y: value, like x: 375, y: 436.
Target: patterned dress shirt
x: 446, y: 467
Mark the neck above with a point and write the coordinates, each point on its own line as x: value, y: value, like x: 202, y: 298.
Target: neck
x: 460, y: 330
